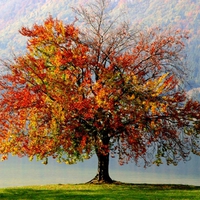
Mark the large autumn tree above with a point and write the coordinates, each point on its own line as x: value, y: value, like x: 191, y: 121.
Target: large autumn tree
x: 103, y: 88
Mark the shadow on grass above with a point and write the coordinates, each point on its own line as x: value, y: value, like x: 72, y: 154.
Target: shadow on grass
x: 166, y: 187
x: 32, y: 194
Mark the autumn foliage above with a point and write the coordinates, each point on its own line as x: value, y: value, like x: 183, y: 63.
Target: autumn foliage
x: 70, y: 97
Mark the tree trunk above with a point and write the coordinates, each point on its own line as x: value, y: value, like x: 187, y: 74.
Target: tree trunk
x: 102, y: 175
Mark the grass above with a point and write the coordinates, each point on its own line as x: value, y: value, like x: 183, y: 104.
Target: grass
x: 103, y: 191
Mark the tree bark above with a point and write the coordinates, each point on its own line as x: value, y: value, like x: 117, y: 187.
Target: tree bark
x: 102, y: 175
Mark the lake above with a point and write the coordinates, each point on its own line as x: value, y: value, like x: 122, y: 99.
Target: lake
x: 20, y: 172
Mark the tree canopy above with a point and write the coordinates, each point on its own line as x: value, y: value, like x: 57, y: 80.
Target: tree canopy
x: 105, y: 90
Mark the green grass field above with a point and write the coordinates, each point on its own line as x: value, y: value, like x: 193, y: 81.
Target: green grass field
x: 104, y: 191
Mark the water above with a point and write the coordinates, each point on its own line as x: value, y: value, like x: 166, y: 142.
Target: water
x: 21, y: 172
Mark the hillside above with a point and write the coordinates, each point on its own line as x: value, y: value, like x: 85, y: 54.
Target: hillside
x: 183, y: 14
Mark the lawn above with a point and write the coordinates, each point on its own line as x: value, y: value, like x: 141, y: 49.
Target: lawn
x: 104, y: 191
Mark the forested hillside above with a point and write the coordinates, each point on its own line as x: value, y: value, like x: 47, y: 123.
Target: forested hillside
x: 184, y: 14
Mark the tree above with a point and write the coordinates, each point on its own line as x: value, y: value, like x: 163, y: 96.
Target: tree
x: 113, y: 91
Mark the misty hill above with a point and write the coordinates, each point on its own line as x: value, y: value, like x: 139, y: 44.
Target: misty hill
x: 183, y: 14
